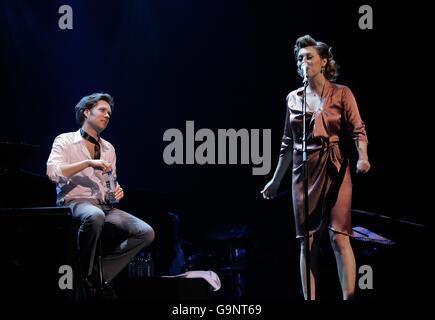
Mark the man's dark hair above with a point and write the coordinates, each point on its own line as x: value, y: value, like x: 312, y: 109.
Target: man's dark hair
x: 89, y: 102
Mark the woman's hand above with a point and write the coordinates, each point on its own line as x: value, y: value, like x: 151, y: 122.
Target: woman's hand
x: 362, y: 166
x: 270, y: 189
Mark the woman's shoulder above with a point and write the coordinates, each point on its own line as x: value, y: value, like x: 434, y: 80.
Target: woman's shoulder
x: 294, y: 94
x: 339, y: 87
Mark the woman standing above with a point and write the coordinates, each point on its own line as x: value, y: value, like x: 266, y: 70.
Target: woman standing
x: 332, y: 118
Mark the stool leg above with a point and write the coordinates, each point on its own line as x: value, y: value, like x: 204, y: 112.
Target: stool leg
x: 79, y: 277
x: 100, y: 265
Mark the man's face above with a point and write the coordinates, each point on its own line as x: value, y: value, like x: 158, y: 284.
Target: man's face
x: 98, y: 116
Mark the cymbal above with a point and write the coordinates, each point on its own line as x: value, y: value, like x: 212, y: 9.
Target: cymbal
x: 229, y: 232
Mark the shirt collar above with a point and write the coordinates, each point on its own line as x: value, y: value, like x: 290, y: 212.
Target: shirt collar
x: 78, y: 138
x: 328, y: 86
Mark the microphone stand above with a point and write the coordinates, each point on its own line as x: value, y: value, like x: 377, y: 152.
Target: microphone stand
x: 305, y: 186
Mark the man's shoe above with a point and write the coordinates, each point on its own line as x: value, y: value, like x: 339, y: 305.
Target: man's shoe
x: 109, y: 292
x: 92, y: 292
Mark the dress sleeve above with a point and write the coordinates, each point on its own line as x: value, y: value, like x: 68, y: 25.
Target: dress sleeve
x: 287, y: 139
x: 354, y: 124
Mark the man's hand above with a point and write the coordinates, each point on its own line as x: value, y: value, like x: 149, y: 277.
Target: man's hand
x: 119, y: 193
x: 101, y: 165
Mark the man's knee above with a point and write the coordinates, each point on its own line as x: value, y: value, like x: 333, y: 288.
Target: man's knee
x: 147, y: 234
x: 95, y: 220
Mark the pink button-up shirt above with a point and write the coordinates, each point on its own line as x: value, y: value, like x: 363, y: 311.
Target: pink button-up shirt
x: 70, y: 148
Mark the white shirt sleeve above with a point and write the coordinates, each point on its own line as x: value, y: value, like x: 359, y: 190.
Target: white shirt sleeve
x: 58, y: 157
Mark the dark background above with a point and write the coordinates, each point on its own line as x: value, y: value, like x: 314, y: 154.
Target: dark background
x: 222, y: 64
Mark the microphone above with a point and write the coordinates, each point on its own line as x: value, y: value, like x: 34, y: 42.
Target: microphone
x: 304, y: 71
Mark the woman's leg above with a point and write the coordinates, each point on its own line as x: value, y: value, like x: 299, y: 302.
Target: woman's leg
x: 345, y: 263
x: 314, y: 253
x: 339, y: 231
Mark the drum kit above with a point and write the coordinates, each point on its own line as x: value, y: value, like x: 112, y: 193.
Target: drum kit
x: 231, y: 243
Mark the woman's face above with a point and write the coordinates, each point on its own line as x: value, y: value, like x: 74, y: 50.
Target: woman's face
x: 310, y: 56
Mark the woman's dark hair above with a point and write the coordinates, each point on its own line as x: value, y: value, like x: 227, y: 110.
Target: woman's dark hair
x: 324, y: 51
x: 89, y: 102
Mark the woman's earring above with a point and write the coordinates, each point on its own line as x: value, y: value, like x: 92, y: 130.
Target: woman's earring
x: 322, y: 70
